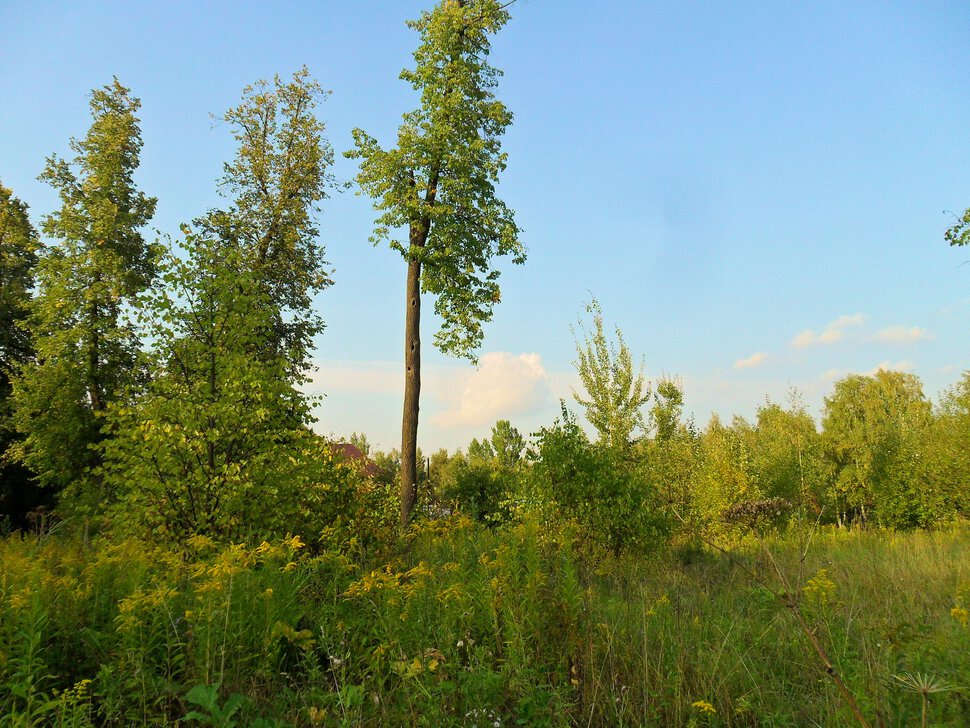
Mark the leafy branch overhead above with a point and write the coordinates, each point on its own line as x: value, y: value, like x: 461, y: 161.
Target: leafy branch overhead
x: 959, y: 232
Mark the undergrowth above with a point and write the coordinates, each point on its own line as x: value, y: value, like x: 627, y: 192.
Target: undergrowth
x: 459, y: 624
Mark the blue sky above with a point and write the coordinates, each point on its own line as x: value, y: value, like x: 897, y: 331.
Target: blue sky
x: 755, y: 192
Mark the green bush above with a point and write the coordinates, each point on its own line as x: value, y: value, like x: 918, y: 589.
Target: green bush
x: 601, y: 488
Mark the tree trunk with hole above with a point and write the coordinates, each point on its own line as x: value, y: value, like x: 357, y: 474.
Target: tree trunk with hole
x: 412, y: 392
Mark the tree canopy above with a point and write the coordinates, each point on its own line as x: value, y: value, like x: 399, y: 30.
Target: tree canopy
x: 97, y: 262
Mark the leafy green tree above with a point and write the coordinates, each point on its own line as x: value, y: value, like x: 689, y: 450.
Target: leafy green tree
x: 507, y: 444
x: 85, y: 351
x: 668, y: 406
x: 208, y: 445
x: 275, y: 184
x: 615, y: 394
x: 786, y: 455
x: 483, y: 483
x: 943, y: 460
x: 18, y: 256
x: 481, y: 451
x: 723, y: 479
x: 438, y: 183
x: 360, y: 441
x: 871, y: 429
x: 600, y: 488
x: 672, y: 454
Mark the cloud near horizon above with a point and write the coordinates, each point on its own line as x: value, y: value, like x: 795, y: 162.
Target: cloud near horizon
x: 504, y: 385
x: 830, y: 333
x: 901, y: 335
x: 359, y: 377
x: 888, y: 366
x: 752, y: 361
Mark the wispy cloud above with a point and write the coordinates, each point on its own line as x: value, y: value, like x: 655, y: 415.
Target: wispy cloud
x: 888, y: 366
x: 754, y: 360
x: 901, y: 335
x: 504, y: 385
x: 830, y: 333
x: 360, y: 377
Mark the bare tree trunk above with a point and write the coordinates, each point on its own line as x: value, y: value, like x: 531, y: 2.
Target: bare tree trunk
x: 412, y: 392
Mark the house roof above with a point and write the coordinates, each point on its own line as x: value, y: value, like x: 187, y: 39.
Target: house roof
x: 351, y: 454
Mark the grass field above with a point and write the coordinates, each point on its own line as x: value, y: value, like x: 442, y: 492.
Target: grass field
x: 457, y: 624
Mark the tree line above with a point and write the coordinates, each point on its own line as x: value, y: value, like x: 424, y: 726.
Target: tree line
x: 157, y: 382
x: 884, y: 456
x: 166, y: 376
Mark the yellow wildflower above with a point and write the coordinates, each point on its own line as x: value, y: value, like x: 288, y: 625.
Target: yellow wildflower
x: 702, y: 706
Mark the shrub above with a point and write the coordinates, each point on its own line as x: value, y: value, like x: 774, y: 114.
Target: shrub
x: 601, y: 488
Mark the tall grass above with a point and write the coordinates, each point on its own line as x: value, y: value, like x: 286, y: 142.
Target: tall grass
x: 458, y: 624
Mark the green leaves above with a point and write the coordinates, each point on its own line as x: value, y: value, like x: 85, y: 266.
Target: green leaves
x: 439, y: 181
x: 615, y: 395
x: 601, y: 488
x: 275, y: 183
x: 871, y: 428
x: 959, y: 232
x: 85, y: 351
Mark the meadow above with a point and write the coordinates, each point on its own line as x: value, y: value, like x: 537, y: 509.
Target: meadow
x: 456, y: 623
x: 180, y: 545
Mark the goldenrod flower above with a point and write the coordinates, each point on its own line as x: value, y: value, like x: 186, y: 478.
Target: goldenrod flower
x: 702, y: 706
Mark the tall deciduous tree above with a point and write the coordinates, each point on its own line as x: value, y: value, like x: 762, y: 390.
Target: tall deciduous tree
x: 218, y: 442
x: 871, y: 429
x: 85, y: 352
x: 275, y: 183
x: 209, y: 444
x: 438, y: 184
x: 507, y: 443
x: 18, y: 256
x: 615, y: 392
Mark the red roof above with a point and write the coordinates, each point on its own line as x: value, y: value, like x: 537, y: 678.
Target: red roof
x: 352, y: 454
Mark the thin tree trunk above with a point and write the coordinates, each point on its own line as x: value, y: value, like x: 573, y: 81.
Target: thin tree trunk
x: 412, y: 392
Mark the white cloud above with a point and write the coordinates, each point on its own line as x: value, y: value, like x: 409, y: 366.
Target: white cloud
x: 752, y: 361
x: 830, y: 336
x: 842, y: 322
x: 504, y: 384
x: 830, y: 375
x: 901, y: 335
x: 806, y: 338
x: 888, y: 366
x: 361, y: 377
x: 831, y: 332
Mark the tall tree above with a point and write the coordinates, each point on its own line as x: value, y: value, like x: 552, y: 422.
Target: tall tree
x: 18, y: 256
x: 871, y: 429
x: 217, y: 442
x: 275, y: 184
x: 209, y: 444
x: 672, y: 453
x: 438, y: 184
x: 85, y: 351
x: 615, y: 393
x: 507, y: 444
